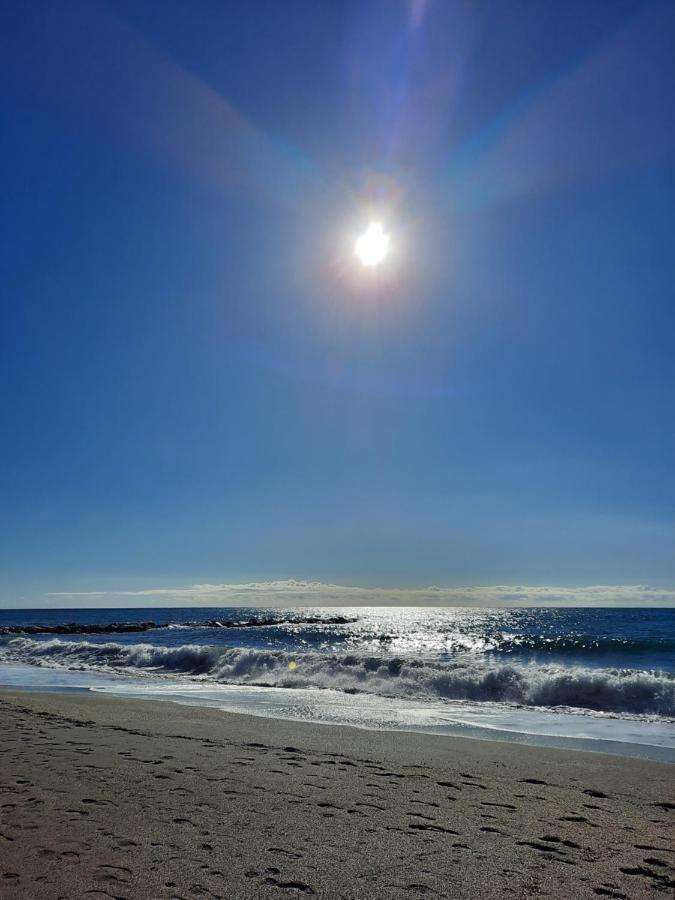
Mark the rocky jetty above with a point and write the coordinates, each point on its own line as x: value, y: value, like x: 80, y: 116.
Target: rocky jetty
x: 130, y: 627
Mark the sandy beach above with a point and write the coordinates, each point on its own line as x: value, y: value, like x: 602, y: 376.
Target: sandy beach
x: 109, y: 798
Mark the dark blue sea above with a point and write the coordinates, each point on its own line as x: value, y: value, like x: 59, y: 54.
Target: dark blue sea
x: 605, y: 675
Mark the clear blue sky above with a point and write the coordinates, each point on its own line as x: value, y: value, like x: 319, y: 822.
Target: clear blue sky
x: 197, y: 382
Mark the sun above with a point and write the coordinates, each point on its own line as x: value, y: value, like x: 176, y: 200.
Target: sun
x: 372, y: 247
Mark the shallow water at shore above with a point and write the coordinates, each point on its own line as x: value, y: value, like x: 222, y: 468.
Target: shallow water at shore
x: 622, y: 736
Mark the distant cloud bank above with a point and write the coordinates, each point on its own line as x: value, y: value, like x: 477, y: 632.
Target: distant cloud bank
x: 314, y: 593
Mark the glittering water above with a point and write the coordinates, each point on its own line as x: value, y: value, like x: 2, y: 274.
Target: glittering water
x: 518, y: 670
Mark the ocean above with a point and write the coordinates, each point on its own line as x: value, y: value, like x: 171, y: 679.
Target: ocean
x: 600, y: 679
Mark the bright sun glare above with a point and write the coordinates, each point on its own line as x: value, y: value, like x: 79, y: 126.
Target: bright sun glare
x: 372, y: 247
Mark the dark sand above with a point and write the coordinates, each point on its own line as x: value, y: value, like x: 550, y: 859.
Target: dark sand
x: 102, y: 797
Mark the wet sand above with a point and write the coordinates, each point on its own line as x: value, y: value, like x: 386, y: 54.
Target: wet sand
x: 108, y: 798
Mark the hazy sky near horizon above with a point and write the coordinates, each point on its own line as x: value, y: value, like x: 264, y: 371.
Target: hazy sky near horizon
x: 293, y: 593
x: 200, y: 383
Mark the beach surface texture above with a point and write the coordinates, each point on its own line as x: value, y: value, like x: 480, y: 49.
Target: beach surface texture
x: 108, y: 798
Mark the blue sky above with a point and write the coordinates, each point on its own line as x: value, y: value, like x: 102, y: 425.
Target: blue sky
x: 199, y: 384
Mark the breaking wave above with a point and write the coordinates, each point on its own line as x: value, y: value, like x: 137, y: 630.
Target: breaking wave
x: 602, y: 690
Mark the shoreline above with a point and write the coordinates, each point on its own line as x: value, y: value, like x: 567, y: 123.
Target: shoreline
x: 105, y: 796
x: 553, y: 728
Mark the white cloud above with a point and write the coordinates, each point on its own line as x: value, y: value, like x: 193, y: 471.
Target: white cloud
x: 314, y: 593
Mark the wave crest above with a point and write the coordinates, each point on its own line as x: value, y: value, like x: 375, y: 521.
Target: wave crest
x: 603, y: 690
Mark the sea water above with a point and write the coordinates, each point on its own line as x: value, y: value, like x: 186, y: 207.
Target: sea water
x: 596, y: 678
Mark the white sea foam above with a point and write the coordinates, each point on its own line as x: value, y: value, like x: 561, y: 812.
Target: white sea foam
x: 603, y: 690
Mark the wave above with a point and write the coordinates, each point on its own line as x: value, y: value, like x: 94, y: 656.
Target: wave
x: 580, y: 643
x: 563, y: 644
x: 455, y: 640
x: 602, y: 690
